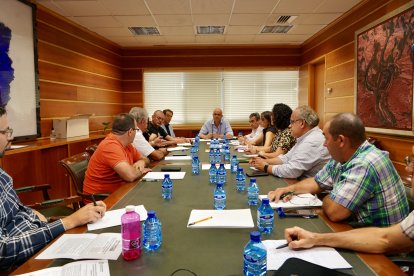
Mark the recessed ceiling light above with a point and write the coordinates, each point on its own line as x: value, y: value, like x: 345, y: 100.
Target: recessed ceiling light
x: 144, y: 30
x: 210, y: 29
x: 277, y: 29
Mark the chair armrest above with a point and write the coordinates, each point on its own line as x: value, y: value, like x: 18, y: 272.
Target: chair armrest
x: 36, y: 188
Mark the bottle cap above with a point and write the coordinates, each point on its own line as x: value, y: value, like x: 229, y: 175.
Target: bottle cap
x: 252, y: 180
x: 151, y: 214
x: 240, y: 169
x: 265, y: 201
x: 255, y: 236
x: 130, y: 208
x: 166, y: 175
x: 234, y: 156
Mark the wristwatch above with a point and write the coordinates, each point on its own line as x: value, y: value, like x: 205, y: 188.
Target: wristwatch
x: 265, y: 168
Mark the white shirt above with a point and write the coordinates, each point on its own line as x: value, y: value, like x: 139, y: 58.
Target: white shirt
x: 255, y: 132
x: 172, y: 134
x: 306, y: 158
x: 141, y: 144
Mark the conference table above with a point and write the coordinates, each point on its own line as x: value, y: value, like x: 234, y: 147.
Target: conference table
x: 207, y: 251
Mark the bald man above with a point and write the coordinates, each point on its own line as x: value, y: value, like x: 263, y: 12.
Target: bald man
x: 218, y: 127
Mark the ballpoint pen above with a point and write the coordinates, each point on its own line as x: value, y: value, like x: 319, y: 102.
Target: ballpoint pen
x: 201, y: 220
x: 282, y: 246
x: 286, y: 194
x: 93, y: 200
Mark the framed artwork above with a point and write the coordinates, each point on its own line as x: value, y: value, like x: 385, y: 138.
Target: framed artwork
x: 19, y: 92
x: 384, y: 73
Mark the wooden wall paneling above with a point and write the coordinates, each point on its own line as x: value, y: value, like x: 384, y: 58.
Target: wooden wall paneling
x: 304, y: 79
x: 132, y: 74
x: 126, y: 107
x: 340, y: 55
x: 46, y: 15
x: 131, y: 98
x: 341, y: 88
x: 340, y: 72
x: 57, y: 73
x: 397, y: 146
x: 64, y: 57
x: 339, y: 104
x: 52, y: 108
x: 132, y: 85
x: 78, y: 147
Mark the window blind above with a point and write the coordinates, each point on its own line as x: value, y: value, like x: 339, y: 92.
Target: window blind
x: 193, y: 95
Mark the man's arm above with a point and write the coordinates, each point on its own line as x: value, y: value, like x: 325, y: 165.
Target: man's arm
x: 308, y: 185
x: 334, y: 211
x: 369, y: 239
x: 158, y: 154
x: 205, y: 133
x: 127, y: 172
x: 228, y: 130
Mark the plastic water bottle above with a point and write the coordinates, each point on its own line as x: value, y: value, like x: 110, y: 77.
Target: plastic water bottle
x: 131, y: 234
x: 254, y: 256
x: 265, y: 217
x: 211, y: 157
x: 234, y: 164
x: 217, y: 155
x: 219, y: 197
x: 221, y: 175
x: 152, y: 234
x: 193, y: 151
x: 166, y: 187
x: 195, y: 166
x: 226, y: 153
x: 252, y: 192
x: 212, y: 173
x: 240, y: 180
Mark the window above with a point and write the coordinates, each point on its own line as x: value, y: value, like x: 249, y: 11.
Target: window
x: 193, y: 95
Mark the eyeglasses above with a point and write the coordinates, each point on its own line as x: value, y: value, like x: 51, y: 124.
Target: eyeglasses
x: 304, y: 200
x: 408, y: 159
x: 294, y: 121
x: 8, y: 132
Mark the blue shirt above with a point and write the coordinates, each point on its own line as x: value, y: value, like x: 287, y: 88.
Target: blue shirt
x: 22, y: 232
x: 223, y: 128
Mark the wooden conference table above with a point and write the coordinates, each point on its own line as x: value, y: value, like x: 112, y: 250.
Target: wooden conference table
x: 207, y: 251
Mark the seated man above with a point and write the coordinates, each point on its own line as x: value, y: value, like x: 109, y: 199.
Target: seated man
x: 168, y: 114
x: 218, y: 127
x: 25, y: 231
x: 364, y: 186
x: 307, y: 156
x: 140, y: 143
x: 254, y: 119
x: 395, y: 239
x: 115, y: 161
x: 156, y: 131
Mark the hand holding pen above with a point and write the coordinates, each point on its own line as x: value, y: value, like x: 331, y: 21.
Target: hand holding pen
x: 280, y: 194
x: 297, y: 237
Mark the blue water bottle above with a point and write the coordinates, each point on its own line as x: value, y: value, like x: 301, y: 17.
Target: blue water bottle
x: 195, y: 166
x: 152, y: 234
x: 211, y: 156
x: 212, y: 174
x: 221, y: 175
x: 193, y: 151
x: 252, y: 192
x: 265, y: 217
x: 234, y: 164
x: 240, y: 180
x: 219, y: 197
x: 217, y: 155
x: 166, y: 187
x: 254, y: 256
x: 226, y: 153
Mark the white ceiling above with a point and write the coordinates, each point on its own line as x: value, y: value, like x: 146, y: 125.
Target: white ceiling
x: 176, y: 20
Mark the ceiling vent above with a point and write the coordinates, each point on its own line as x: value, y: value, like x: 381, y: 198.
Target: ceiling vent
x: 285, y: 19
x: 206, y: 30
x: 278, y: 29
x: 144, y: 30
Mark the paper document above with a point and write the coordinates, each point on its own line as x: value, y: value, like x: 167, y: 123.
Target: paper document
x: 250, y: 155
x: 186, y: 157
x: 204, y: 140
x: 105, y: 246
x: 160, y: 175
x: 80, y: 268
x: 239, y: 218
x: 18, y: 146
x: 297, y: 201
x: 323, y: 256
x: 113, y: 218
x: 184, y: 144
x: 177, y: 149
x: 234, y: 143
x: 207, y: 166
x: 253, y: 168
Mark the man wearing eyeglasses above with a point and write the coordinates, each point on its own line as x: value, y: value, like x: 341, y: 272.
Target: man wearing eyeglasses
x: 25, y: 231
x: 218, y: 127
x: 365, y: 188
x: 156, y: 131
x: 307, y: 156
x: 116, y: 161
x: 256, y: 129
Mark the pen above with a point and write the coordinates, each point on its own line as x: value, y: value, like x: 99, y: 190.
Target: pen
x: 149, y: 180
x: 201, y: 220
x: 282, y: 246
x: 94, y: 201
x: 286, y: 194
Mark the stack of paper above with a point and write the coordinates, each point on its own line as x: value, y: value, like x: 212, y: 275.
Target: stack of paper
x: 177, y: 149
x: 239, y: 218
x: 81, y: 268
x: 184, y: 144
x: 160, y: 175
x: 113, y: 218
x: 297, y: 201
x: 185, y: 157
x: 323, y: 256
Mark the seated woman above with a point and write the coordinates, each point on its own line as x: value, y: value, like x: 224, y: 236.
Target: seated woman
x: 283, y: 140
x: 264, y: 141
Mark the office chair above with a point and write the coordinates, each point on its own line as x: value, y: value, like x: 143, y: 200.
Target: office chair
x: 76, y: 167
x: 91, y: 149
x: 52, y: 209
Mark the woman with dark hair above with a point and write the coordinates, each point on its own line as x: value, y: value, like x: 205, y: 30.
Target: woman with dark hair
x: 264, y: 141
x: 283, y: 140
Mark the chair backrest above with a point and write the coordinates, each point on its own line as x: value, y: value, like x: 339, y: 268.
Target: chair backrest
x: 91, y: 149
x: 76, y: 167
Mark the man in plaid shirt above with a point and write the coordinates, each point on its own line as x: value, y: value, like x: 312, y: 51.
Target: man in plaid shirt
x: 25, y: 231
x: 364, y: 186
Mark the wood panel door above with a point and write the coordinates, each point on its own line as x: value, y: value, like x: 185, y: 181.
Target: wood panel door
x: 319, y: 91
